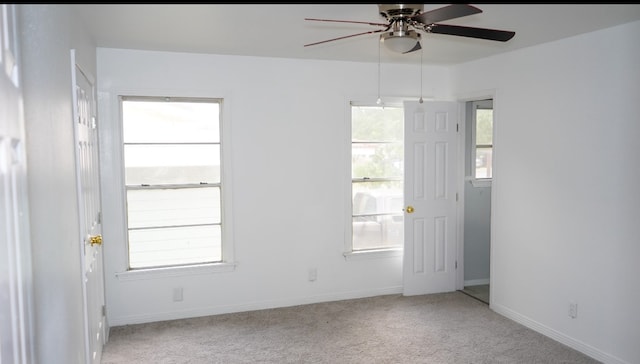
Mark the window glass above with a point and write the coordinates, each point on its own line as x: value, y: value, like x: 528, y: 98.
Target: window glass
x: 484, y: 126
x: 377, y: 197
x: 173, y: 207
x: 378, y: 160
x: 483, y: 147
x: 172, y: 163
x: 172, y: 246
x: 166, y: 121
x: 377, y: 171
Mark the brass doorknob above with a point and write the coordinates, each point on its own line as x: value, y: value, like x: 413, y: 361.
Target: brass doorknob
x: 409, y: 209
x: 96, y: 240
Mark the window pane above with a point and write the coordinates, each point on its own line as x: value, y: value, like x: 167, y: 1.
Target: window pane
x: 172, y: 141
x: 172, y: 246
x: 377, y: 197
x: 377, y: 151
x: 484, y: 162
x: 377, y: 160
x: 167, y: 164
x: 484, y: 127
x: 170, y: 122
x: 375, y: 123
x: 378, y: 232
x: 170, y: 207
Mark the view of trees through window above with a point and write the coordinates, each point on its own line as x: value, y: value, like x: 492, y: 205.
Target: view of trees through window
x: 377, y: 171
x: 484, y: 143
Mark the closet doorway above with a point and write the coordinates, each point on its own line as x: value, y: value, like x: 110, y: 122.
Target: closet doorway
x: 477, y: 198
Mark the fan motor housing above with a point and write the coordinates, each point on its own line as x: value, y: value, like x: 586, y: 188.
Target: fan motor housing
x: 393, y: 11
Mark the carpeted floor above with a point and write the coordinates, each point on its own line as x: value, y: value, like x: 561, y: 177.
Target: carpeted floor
x: 446, y: 328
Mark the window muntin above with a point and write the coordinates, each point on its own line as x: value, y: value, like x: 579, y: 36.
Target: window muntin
x: 377, y: 171
x: 172, y: 162
x: 483, y: 140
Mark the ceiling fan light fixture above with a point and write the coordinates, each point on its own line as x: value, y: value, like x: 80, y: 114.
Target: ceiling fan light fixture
x: 403, y: 18
x: 400, y: 43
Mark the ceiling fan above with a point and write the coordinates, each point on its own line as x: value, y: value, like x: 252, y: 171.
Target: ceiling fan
x: 400, y: 33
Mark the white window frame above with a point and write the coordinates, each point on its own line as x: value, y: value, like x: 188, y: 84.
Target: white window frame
x: 349, y: 253
x: 475, y: 105
x: 227, y: 262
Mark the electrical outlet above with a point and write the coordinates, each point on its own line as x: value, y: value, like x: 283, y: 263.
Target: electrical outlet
x: 177, y: 294
x: 573, y: 310
x: 313, y: 274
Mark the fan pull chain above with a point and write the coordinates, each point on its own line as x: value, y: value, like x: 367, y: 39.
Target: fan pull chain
x: 421, y: 53
x: 379, y: 101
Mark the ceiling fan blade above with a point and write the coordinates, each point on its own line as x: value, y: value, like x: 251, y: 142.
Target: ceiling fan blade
x: 346, y: 36
x: 481, y: 33
x: 446, y: 13
x: 348, y: 21
x: 416, y: 48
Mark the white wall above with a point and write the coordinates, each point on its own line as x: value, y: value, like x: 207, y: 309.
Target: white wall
x: 566, y: 208
x: 289, y: 149
x: 47, y: 33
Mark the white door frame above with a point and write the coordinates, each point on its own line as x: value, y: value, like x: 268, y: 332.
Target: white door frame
x: 473, y: 96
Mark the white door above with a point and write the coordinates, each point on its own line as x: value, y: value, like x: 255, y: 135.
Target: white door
x: 88, y: 176
x: 431, y: 148
x: 16, y: 304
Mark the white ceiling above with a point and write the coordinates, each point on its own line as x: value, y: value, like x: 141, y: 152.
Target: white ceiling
x: 279, y: 30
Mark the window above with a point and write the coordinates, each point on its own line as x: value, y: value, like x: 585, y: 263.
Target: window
x: 172, y: 161
x: 482, y: 139
x: 377, y: 171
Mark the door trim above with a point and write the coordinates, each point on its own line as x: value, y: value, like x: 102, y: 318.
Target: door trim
x: 464, y: 98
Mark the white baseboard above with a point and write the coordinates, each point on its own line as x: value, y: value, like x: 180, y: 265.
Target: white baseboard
x: 557, y: 336
x: 253, y: 306
x: 476, y: 282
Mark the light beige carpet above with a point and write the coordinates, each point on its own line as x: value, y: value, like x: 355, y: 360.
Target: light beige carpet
x: 439, y: 328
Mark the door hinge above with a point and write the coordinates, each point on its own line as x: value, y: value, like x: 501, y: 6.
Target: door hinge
x: 104, y: 308
x: 457, y: 128
x: 456, y: 196
x: 99, y: 217
x: 456, y: 268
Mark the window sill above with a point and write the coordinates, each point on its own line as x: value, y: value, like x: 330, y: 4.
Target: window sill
x: 373, y: 254
x: 153, y: 273
x: 481, y: 182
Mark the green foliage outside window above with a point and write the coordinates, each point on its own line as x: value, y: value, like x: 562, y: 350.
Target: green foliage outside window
x: 377, y: 149
x: 377, y: 124
x: 484, y: 127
